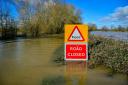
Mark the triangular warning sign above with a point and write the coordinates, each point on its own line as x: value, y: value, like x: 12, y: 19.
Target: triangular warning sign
x: 76, y: 35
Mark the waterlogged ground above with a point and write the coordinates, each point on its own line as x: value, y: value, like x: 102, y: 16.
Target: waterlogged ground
x: 114, y: 35
x: 29, y: 62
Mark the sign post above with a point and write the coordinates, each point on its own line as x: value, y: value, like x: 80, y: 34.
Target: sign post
x: 76, y: 39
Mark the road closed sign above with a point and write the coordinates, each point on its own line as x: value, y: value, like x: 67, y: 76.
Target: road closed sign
x: 76, y: 39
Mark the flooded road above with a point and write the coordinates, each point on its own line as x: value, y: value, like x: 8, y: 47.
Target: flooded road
x: 28, y: 62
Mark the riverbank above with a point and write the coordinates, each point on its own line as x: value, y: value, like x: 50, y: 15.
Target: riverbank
x: 22, y: 38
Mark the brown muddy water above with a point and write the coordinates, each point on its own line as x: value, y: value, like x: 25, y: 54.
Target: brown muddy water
x: 28, y: 62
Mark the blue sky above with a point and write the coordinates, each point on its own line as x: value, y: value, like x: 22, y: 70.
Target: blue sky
x: 93, y: 11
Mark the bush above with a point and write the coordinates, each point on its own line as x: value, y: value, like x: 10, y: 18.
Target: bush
x: 113, y: 54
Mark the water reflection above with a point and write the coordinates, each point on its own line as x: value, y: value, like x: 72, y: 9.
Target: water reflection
x: 75, y: 73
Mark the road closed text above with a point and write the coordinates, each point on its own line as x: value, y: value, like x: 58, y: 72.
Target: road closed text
x: 75, y: 51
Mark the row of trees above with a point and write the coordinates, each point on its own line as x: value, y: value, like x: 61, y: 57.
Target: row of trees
x: 37, y: 16
x: 113, y: 28
x: 93, y: 27
x: 46, y: 16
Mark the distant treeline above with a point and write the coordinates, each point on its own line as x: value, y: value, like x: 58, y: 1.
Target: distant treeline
x: 119, y: 28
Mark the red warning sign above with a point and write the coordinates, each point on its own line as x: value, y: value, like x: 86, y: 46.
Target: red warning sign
x: 76, y: 35
x: 76, y: 52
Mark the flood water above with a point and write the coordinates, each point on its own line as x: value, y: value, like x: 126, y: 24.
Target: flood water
x: 28, y: 62
x: 113, y: 35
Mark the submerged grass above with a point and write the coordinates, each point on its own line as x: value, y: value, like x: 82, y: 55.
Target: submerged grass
x: 58, y: 56
x: 110, y: 53
x: 54, y: 80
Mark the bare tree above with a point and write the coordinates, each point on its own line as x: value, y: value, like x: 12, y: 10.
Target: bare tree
x: 46, y: 16
x: 7, y: 24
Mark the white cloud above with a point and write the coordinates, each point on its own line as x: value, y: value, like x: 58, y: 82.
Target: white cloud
x: 120, y: 15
